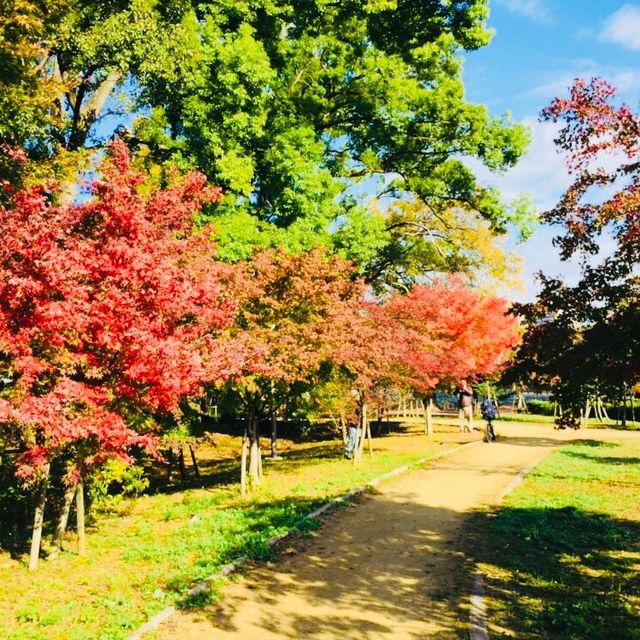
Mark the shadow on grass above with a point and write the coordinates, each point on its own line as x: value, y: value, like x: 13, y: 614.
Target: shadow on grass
x: 602, y: 459
x: 246, y: 534
x: 561, y: 573
x: 618, y: 426
x: 226, y: 472
x: 596, y: 444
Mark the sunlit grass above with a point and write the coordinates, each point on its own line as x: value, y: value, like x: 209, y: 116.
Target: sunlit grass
x: 563, y: 553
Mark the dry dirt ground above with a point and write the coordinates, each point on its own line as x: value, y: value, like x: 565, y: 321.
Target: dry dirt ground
x: 393, y: 564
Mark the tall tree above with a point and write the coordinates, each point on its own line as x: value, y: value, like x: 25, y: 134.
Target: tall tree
x: 298, y: 110
x: 302, y: 111
x: 425, y: 241
x: 69, y: 70
x: 292, y: 310
x: 588, y: 326
x: 432, y: 335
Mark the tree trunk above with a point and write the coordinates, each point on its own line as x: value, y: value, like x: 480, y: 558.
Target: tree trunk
x: 363, y: 428
x: 196, y: 469
x: 243, y: 464
x: 82, y: 541
x: 522, y: 404
x: 255, y: 463
x: 274, y: 436
x: 183, y: 469
x: 428, y: 413
x: 61, y: 526
x: 343, y: 429
x: 38, y: 519
x: 259, y: 453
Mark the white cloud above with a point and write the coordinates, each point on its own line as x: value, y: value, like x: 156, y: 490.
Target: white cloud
x: 533, y: 9
x: 543, y: 174
x: 623, y: 27
x: 625, y: 79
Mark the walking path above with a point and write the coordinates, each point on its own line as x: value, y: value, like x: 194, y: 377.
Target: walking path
x: 392, y: 565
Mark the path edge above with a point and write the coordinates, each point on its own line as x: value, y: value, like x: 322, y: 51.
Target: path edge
x: 478, y: 606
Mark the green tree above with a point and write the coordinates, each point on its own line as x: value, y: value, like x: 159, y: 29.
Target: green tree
x: 303, y: 110
x: 69, y: 71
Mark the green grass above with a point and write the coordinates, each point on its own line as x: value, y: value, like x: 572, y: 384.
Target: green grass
x: 592, y: 422
x: 562, y: 555
x: 150, y: 552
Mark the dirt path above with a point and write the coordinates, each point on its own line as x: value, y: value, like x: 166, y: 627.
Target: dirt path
x: 391, y: 565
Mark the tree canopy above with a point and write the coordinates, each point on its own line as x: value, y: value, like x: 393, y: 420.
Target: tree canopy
x: 111, y: 312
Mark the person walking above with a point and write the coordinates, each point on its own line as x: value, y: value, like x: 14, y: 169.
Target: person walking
x: 465, y: 407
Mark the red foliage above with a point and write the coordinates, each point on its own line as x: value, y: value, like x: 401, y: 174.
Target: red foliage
x: 447, y: 331
x: 293, y: 310
x: 107, y: 309
x: 592, y: 123
x: 437, y: 333
x: 592, y: 128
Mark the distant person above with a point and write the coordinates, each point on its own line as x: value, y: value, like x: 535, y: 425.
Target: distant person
x: 353, y: 431
x: 465, y: 407
x: 489, y: 412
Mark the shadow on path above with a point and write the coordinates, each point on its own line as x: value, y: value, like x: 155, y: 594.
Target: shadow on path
x: 399, y: 563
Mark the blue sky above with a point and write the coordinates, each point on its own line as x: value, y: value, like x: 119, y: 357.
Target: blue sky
x: 539, y: 47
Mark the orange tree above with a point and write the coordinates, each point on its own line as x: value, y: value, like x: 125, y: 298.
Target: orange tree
x: 292, y: 311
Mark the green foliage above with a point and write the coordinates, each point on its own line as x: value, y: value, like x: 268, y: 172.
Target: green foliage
x: 300, y: 111
x: 114, y: 481
x: 541, y: 407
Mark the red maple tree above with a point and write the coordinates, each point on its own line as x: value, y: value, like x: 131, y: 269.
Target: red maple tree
x: 433, y: 335
x: 602, y: 143
x: 110, y: 310
x: 450, y: 332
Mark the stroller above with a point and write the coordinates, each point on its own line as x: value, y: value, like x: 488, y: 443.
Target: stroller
x: 488, y: 410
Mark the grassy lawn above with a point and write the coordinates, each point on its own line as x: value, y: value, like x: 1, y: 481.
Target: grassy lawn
x: 149, y: 552
x: 562, y: 554
x: 512, y: 416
